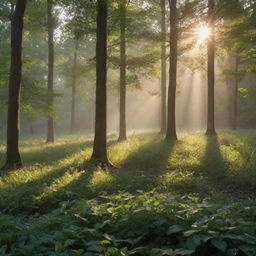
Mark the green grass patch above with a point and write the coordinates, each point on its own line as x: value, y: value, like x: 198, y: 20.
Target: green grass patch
x: 162, y: 198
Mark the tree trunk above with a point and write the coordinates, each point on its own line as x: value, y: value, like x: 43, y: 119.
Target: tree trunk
x: 163, y: 68
x: 211, y: 69
x: 100, y: 137
x: 171, y: 125
x: 13, y: 159
x: 50, y: 128
x: 122, y: 125
x: 234, y: 124
x: 73, y: 97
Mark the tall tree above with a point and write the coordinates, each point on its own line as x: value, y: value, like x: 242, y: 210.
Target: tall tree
x: 163, y: 67
x: 171, y: 118
x: 13, y: 158
x: 211, y: 68
x: 122, y: 118
x: 50, y: 128
x: 100, y: 137
x: 73, y: 97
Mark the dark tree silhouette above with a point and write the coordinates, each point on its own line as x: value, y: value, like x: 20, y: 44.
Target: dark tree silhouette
x: 211, y: 69
x: 50, y: 128
x: 73, y: 97
x: 171, y: 124
x: 100, y: 138
x: 163, y: 67
x: 122, y: 125
x: 13, y: 159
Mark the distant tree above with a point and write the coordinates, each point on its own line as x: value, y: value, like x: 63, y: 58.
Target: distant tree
x: 122, y: 114
x: 73, y: 97
x: 6, y: 12
x: 239, y: 41
x: 171, y: 118
x: 34, y: 99
x: 78, y: 26
x: 13, y: 158
x: 50, y: 127
x: 211, y: 68
x: 132, y: 49
x: 163, y: 67
x: 100, y: 137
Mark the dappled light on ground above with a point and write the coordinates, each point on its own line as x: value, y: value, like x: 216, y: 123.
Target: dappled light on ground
x: 144, y: 162
x: 157, y: 188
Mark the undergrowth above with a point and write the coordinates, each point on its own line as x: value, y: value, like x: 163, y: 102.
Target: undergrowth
x: 162, y: 198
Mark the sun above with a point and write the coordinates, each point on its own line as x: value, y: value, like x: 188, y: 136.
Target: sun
x: 202, y: 33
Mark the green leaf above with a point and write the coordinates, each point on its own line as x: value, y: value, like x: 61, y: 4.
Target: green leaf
x: 159, y: 251
x: 190, y: 232
x: 175, y: 229
x: 105, y: 242
x: 202, y: 237
x: 69, y: 242
x: 58, y: 247
x: 112, y: 250
x: 248, y: 250
x: 244, y: 238
x: 183, y: 252
x: 232, y: 252
x: 78, y: 252
x: 137, y: 250
x: 219, y: 244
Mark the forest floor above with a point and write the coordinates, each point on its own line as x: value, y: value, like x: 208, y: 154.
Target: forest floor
x: 192, y: 197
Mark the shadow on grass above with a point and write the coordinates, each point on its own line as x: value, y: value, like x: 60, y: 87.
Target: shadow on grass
x: 143, y: 166
x: 138, y: 172
x: 25, y: 197
x: 50, y: 153
x: 213, y: 161
x: 47, y: 153
x: 152, y: 157
x: 22, y: 197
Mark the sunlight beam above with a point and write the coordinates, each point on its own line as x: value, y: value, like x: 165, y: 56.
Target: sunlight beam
x: 203, y: 34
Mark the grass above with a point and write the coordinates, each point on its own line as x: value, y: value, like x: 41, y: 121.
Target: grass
x: 59, y: 178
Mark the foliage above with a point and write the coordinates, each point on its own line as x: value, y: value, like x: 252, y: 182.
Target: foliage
x: 166, y: 199
x: 134, y: 224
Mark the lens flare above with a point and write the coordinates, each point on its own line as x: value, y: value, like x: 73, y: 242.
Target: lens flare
x: 203, y: 33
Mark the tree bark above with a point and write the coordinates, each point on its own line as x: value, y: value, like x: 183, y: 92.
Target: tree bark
x: 13, y: 159
x: 234, y: 124
x: 100, y: 137
x: 171, y: 125
x: 211, y: 68
x: 122, y: 125
x: 163, y: 68
x: 73, y: 97
x: 50, y: 128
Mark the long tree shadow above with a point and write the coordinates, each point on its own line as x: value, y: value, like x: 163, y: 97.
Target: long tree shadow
x: 26, y: 197
x: 137, y: 172
x: 213, y: 162
x: 22, y: 197
x: 152, y: 157
x: 67, y: 180
x: 140, y: 169
x: 146, y: 164
x: 51, y: 153
x: 48, y: 153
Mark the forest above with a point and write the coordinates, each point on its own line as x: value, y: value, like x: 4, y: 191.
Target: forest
x: 127, y: 127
